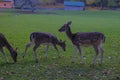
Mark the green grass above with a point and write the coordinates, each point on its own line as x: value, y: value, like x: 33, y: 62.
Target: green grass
x: 17, y: 28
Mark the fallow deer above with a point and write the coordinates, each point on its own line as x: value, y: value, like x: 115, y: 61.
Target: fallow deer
x: 5, y: 43
x: 41, y: 38
x: 80, y: 39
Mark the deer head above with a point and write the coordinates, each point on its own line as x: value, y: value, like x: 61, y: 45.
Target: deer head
x: 14, y: 55
x: 65, y: 27
x: 62, y: 45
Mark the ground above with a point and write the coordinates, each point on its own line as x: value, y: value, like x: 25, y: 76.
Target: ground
x: 17, y: 26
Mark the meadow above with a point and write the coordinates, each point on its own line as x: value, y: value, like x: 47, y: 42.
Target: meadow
x: 18, y: 26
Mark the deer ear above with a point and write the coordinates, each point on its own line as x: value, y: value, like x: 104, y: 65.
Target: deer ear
x: 16, y: 48
x: 69, y: 22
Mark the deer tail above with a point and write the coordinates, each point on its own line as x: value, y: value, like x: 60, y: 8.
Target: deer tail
x: 32, y: 36
x: 103, y: 38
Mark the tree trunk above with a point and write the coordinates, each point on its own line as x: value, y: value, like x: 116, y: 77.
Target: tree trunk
x: 101, y: 5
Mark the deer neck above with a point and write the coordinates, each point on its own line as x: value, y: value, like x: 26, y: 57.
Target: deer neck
x: 69, y: 33
x: 9, y: 47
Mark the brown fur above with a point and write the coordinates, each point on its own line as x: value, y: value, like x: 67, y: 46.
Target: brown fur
x: 80, y: 39
x: 40, y: 38
x: 5, y: 43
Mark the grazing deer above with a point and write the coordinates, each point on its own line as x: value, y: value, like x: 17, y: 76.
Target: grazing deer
x: 80, y: 39
x: 5, y: 43
x: 39, y: 38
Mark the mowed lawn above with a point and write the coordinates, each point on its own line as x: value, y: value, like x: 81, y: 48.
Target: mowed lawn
x: 17, y: 28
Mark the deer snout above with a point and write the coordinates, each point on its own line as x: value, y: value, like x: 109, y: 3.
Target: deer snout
x: 59, y: 30
x: 63, y: 49
x: 15, y: 60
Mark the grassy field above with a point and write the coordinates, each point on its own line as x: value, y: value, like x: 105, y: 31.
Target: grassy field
x: 18, y: 26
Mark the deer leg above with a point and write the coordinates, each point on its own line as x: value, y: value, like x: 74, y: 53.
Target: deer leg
x: 75, y: 55
x: 27, y: 46
x: 102, y: 55
x: 35, y: 54
x: 47, y: 51
x: 56, y: 50
x: 4, y: 55
x: 80, y: 51
x: 97, y: 52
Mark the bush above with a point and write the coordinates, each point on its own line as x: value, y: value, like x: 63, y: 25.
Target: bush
x: 112, y: 3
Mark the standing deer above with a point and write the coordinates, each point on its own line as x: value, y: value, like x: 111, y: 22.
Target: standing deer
x: 39, y: 38
x: 5, y: 43
x: 80, y: 39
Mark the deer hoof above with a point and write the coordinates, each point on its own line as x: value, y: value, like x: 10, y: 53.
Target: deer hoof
x: 59, y: 57
x: 72, y: 61
x: 36, y: 61
x: 100, y: 64
x: 92, y: 65
x: 23, y: 57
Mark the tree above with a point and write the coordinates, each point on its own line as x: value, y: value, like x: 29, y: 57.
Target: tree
x: 112, y: 3
x: 103, y: 3
x: 14, y: 2
x: 89, y: 2
x: 60, y: 1
x: 117, y: 3
x: 27, y: 4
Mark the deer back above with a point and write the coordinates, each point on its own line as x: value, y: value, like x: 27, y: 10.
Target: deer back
x: 89, y: 38
x: 40, y: 37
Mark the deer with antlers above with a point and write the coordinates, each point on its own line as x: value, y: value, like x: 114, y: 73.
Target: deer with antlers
x: 5, y: 43
x: 41, y: 38
x: 79, y: 39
